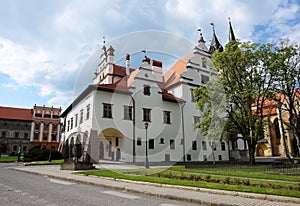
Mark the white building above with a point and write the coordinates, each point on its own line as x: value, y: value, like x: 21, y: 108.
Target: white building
x: 113, y: 110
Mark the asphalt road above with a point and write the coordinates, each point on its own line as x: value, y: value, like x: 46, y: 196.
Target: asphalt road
x: 19, y: 188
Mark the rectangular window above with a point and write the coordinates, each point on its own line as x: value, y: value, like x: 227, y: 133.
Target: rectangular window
x: 196, y: 121
x: 151, y: 143
x: 204, y: 79
x: 68, y: 126
x: 172, y: 144
x: 16, y: 135
x: 167, y: 117
x: 146, y: 115
x: 128, y: 112
x: 193, y: 99
x: 38, y: 115
x: 37, y: 125
x: 188, y: 157
x: 88, y: 112
x: 3, y: 134
x: 53, y: 137
x: 71, y: 123
x: 204, y: 146
x: 220, y: 157
x: 204, y: 62
x: 139, y: 141
x: 76, y: 120
x: 194, y: 145
x: 107, y: 110
x: 147, y: 90
x: 54, y: 127
x: 161, y: 141
x: 25, y: 135
x: 45, y: 136
x: 36, y: 136
x: 46, y: 126
x: 81, y: 116
x: 47, y: 115
x: 24, y: 149
x: 223, y: 146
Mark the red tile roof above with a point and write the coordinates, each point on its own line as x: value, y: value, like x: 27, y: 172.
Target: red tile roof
x: 173, y: 75
x: 120, y: 70
x: 119, y: 86
x: 16, y: 113
x: 170, y: 97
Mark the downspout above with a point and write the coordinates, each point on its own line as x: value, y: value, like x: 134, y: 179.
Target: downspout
x: 133, y: 129
x: 183, y: 134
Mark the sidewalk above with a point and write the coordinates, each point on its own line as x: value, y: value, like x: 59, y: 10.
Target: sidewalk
x: 189, y: 194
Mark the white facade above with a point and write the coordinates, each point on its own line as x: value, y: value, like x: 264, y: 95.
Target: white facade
x: 166, y: 104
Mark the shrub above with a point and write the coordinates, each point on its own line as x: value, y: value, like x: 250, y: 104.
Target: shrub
x: 37, y: 154
x: 227, y: 180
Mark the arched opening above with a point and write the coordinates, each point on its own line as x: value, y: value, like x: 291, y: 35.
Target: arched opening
x: 261, y: 150
x: 110, y: 144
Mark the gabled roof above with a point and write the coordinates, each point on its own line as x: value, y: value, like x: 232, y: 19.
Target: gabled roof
x: 173, y: 75
x: 16, y: 113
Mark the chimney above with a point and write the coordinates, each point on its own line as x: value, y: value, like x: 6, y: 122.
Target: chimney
x: 157, y: 70
x: 127, y: 64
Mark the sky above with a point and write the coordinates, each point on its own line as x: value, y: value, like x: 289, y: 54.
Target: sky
x: 46, y: 46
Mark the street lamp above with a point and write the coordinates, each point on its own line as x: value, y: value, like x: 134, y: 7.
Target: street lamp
x: 146, y: 161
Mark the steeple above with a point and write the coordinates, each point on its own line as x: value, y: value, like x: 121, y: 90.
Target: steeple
x: 201, y: 42
x: 215, y: 44
x: 231, y: 33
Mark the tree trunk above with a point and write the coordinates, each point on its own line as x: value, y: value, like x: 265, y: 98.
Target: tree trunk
x: 252, y: 147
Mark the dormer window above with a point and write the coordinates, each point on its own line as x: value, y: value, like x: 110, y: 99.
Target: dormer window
x: 147, y: 90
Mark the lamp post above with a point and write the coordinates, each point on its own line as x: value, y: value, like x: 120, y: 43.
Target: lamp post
x: 146, y: 161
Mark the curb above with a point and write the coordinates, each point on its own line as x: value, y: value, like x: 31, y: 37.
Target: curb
x: 172, y: 197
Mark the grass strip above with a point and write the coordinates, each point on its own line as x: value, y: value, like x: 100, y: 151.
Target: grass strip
x: 198, y: 184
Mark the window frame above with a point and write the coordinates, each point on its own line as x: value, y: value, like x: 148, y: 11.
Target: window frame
x: 107, y: 110
x: 127, y: 112
x: 146, y: 115
x: 167, y: 117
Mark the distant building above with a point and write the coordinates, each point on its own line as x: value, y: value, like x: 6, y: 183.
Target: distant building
x: 15, y: 129
x: 45, y: 130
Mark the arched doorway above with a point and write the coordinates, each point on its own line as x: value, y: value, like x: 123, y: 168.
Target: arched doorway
x: 261, y: 150
x: 110, y: 144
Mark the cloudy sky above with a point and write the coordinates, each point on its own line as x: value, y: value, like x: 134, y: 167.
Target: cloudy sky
x: 44, y: 45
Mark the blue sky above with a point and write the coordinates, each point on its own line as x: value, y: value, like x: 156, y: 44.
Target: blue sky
x: 44, y: 45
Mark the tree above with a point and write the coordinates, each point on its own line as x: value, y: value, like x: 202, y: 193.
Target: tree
x: 288, y: 81
x: 212, y: 102
x: 246, y: 71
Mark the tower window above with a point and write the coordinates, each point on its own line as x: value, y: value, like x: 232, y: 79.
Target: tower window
x: 147, y: 90
x: 167, y: 117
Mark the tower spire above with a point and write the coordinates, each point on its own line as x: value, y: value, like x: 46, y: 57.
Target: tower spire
x: 201, y: 36
x: 215, y: 44
x: 231, y: 33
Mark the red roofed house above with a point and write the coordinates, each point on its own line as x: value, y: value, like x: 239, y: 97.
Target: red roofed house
x: 15, y: 127
x: 131, y: 115
x: 45, y: 131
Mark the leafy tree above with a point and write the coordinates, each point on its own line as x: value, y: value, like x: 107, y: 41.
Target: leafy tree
x: 288, y: 81
x: 246, y: 73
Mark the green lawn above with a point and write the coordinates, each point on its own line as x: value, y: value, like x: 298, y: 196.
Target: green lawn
x: 218, y: 179
x: 8, y: 159
x: 46, y: 162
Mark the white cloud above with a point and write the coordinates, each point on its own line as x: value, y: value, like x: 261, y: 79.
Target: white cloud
x: 56, y: 41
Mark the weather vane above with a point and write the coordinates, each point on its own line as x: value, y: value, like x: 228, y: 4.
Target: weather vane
x: 213, y: 26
